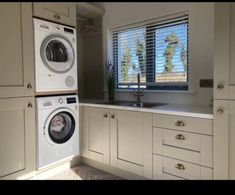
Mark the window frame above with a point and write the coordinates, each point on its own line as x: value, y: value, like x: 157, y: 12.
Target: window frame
x: 150, y: 77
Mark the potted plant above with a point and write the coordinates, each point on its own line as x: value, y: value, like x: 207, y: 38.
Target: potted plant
x: 110, y: 79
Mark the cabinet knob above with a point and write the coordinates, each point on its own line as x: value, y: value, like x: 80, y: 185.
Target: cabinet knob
x: 105, y: 116
x: 57, y: 17
x: 220, y: 86
x: 29, y: 86
x: 180, y: 166
x: 220, y: 111
x: 180, y: 137
x: 113, y: 116
x: 179, y: 124
x: 30, y: 105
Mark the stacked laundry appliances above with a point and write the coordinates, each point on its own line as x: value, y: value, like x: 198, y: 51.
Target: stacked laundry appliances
x: 56, y: 92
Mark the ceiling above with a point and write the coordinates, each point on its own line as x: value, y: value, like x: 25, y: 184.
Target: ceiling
x: 89, y: 10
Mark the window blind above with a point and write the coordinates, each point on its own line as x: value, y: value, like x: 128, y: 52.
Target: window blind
x: 156, y: 50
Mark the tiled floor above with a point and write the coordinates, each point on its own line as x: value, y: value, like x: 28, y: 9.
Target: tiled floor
x: 83, y: 172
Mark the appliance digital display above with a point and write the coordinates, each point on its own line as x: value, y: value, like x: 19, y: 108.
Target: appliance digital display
x: 71, y: 100
x: 69, y: 30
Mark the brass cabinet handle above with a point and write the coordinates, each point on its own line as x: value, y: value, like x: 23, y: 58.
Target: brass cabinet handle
x: 56, y: 16
x: 30, y: 105
x: 180, y: 137
x: 220, y: 111
x: 179, y: 124
x: 220, y: 86
x: 113, y: 116
x: 180, y: 166
x: 29, y: 86
x: 105, y: 116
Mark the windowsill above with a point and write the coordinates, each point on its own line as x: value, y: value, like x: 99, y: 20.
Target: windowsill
x: 158, y: 91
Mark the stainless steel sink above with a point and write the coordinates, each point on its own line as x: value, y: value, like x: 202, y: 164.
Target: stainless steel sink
x: 134, y: 104
x: 146, y: 104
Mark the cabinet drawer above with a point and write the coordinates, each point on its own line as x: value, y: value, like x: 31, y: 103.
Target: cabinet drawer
x: 182, y: 154
x: 232, y: 92
x: 166, y: 176
x: 190, y: 124
x: 164, y: 165
x: 191, y: 147
x: 180, y: 139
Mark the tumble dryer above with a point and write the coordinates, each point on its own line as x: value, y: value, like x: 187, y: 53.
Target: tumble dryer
x: 55, y: 57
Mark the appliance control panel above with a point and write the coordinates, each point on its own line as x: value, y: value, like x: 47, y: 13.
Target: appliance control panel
x: 57, y: 100
x: 43, y: 25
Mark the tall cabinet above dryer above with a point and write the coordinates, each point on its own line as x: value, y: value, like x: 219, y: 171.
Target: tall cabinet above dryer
x: 16, y: 51
x: 64, y: 13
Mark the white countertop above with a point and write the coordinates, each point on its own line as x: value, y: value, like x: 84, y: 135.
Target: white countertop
x: 172, y: 109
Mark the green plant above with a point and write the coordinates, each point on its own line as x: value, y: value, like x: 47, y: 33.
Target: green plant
x: 110, y: 78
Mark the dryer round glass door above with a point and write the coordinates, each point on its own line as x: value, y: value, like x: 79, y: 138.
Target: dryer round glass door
x: 60, y: 127
x: 57, y: 54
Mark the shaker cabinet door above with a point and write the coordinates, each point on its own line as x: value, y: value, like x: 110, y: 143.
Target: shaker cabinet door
x: 16, y: 51
x: 131, y: 141
x: 17, y: 140
x: 64, y: 13
x: 95, y: 133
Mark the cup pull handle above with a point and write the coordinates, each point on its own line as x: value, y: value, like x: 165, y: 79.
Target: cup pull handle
x: 220, y: 86
x: 56, y: 16
x: 180, y: 166
x: 180, y: 123
x: 180, y: 137
x: 220, y: 111
x: 29, y: 86
x: 30, y: 105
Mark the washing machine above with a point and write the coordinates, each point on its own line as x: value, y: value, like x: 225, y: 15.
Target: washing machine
x: 57, y: 129
x: 55, y: 57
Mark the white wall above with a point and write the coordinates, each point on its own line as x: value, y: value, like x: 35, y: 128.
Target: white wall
x: 90, y: 66
x: 201, y: 40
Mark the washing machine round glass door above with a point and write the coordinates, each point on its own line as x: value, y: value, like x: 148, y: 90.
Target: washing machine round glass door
x: 57, y: 54
x: 60, y: 126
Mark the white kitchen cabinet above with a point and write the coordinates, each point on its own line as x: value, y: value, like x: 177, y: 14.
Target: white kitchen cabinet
x: 232, y: 44
x: 64, y: 13
x: 95, y: 133
x: 119, y: 138
x: 192, y: 147
x: 182, y: 147
x: 221, y: 139
x: 224, y: 141
x: 224, y: 91
x: 183, y: 123
x: 231, y: 119
x: 16, y: 53
x: 224, y: 52
x: 178, y: 169
x: 17, y: 140
x: 131, y: 141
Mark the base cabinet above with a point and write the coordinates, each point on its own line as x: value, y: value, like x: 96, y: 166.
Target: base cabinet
x: 168, y: 168
x: 231, y: 140
x: 118, y: 138
x: 131, y: 145
x: 144, y: 143
x: 17, y: 140
x: 95, y: 133
x: 225, y: 139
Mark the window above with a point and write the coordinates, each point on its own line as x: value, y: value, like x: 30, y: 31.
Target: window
x: 158, y: 51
